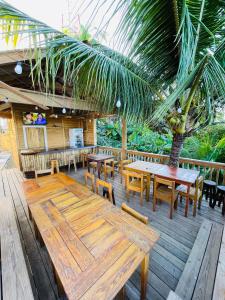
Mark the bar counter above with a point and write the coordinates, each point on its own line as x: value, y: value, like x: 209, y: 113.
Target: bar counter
x: 39, y: 160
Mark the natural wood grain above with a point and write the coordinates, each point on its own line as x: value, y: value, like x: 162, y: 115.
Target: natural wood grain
x: 219, y: 289
x: 80, y: 248
x: 15, y: 278
x: 186, y: 284
x: 134, y: 213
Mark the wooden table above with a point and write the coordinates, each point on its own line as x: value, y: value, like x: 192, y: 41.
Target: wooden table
x: 179, y: 175
x: 99, y: 158
x: 94, y: 246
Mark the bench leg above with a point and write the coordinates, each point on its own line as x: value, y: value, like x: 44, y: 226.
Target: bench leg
x: 144, y: 276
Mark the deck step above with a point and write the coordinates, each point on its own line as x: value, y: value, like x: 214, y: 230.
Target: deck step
x: 186, y: 285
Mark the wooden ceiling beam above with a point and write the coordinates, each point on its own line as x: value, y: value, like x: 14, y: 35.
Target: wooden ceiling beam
x: 5, y: 106
x: 18, y: 93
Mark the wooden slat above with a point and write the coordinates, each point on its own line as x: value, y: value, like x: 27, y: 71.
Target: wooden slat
x: 204, y: 286
x: 15, y: 278
x: 186, y: 284
x: 173, y: 296
x: 219, y: 288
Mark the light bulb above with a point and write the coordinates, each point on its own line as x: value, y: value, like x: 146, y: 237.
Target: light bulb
x: 179, y: 110
x: 64, y: 110
x: 18, y: 68
x: 56, y: 116
x: 118, y: 103
x: 73, y: 111
x: 36, y: 107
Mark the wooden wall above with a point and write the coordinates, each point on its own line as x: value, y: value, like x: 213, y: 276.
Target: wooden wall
x: 8, y: 141
x: 57, y: 129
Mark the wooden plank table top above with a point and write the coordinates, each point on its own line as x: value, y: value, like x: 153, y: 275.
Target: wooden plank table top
x: 94, y: 246
x: 179, y: 175
x: 99, y: 158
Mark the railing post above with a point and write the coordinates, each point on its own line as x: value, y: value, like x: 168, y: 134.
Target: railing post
x: 124, y: 138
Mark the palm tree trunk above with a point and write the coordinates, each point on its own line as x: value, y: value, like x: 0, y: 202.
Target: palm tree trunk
x: 178, y: 141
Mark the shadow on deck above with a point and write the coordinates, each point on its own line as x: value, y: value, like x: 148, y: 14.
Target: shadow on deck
x: 168, y: 258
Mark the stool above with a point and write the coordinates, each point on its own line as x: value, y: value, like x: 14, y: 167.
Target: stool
x: 106, y: 193
x: 72, y: 160
x: 55, y: 165
x: 220, y: 197
x: 209, y: 187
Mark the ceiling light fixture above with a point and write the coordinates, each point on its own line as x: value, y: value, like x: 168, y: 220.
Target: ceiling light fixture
x: 64, y: 110
x: 18, y: 68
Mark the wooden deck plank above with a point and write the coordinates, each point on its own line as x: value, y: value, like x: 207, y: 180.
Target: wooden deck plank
x: 205, y: 282
x: 192, y: 267
x: 15, y: 277
x: 219, y: 288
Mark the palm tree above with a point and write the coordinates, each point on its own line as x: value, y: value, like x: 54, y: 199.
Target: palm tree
x: 173, y: 74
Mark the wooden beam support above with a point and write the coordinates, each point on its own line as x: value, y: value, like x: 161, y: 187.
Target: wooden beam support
x: 18, y: 93
x: 5, y: 106
x: 124, y: 138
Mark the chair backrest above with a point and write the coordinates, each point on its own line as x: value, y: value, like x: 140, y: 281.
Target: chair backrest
x: 43, y: 172
x: 132, y: 175
x: 91, y: 177
x: 199, y: 185
x: 109, y: 162
x: 134, y: 213
x: 160, y: 181
x: 104, y: 184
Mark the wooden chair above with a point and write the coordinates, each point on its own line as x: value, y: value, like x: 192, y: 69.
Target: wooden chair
x: 91, y: 177
x: 134, y: 213
x: 106, y: 187
x: 137, y: 183
x: 164, y: 190
x: 55, y: 165
x: 43, y: 172
x: 72, y: 160
x: 84, y: 159
x: 108, y: 168
x: 123, y: 172
x: 195, y: 193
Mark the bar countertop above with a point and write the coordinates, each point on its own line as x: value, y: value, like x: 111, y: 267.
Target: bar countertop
x: 54, y: 150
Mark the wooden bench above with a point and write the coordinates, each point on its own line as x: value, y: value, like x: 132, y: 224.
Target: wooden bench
x: 14, y: 275
x: 219, y: 287
x: 197, y: 279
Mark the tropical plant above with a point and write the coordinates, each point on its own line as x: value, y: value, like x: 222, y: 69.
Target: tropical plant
x: 173, y: 73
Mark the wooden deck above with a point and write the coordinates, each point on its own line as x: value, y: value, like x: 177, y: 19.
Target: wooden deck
x: 168, y: 259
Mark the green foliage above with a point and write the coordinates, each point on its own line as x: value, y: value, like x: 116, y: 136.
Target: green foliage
x: 140, y: 137
x: 207, y: 144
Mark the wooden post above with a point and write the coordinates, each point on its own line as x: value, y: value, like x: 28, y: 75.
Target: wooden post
x: 124, y: 138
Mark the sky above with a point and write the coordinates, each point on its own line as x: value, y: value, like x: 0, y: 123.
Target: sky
x: 61, y: 12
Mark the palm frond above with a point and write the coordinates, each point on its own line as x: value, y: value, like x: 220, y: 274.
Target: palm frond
x: 92, y: 70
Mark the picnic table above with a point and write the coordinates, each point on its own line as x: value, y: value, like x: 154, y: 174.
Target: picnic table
x: 179, y: 175
x: 94, y: 246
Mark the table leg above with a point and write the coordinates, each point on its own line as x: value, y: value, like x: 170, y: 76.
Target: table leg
x: 187, y: 201
x: 99, y: 169
x: 88, y: 166
x: 144, y: 276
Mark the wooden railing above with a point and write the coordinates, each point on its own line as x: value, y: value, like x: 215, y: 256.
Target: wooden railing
x: 211, y: 170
